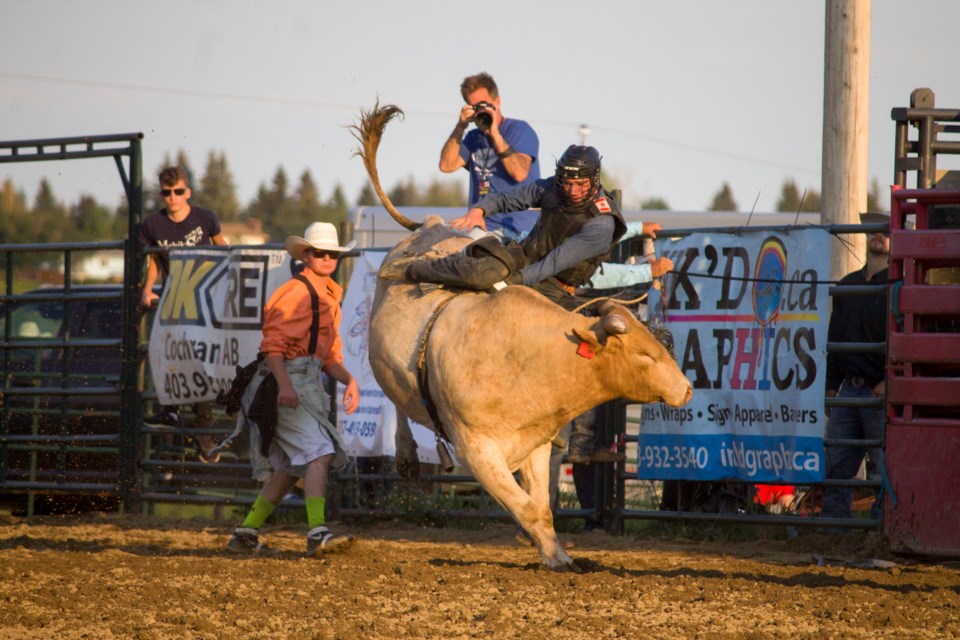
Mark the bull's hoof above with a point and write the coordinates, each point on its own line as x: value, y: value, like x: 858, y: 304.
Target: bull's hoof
x: 571, y: 566
x: 408, y: 472
x: 524, y: 540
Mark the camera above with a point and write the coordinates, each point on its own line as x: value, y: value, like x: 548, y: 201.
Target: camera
x: 484, y: 119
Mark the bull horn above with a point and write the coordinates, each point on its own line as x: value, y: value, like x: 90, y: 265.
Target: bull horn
x: 612, y: 319
x: 368, y: 133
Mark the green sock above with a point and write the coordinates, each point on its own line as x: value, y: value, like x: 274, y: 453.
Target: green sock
x: 315, y: 515
x: 259, y: 513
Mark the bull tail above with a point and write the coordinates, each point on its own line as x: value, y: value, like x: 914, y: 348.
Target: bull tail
x: 369, y: 133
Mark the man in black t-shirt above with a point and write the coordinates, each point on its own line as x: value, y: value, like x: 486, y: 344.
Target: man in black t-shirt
x: 857, y: 375
x: 178, y: 224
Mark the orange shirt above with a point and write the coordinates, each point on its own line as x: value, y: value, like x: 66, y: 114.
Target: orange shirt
x: 288, y: 315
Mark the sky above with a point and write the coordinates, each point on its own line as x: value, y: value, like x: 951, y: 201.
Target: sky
x: 679, y: 97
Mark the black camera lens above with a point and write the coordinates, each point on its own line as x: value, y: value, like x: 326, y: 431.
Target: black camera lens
x: 484, y: 119
x: 483, y: 114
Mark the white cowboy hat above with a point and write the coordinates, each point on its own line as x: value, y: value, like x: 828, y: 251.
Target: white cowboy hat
x: 319, y: 235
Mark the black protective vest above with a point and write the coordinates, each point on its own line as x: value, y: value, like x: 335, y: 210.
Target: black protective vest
x: 555, y: 225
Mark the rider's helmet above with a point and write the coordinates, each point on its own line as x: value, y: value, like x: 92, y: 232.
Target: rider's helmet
x: 576, y: 163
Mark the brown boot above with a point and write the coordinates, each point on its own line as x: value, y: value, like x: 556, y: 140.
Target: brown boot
x: 605, y: 455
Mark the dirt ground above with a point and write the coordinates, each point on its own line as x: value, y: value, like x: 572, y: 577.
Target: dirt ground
x: 113, y: 576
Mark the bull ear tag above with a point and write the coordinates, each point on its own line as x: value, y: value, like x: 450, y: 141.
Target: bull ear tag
x: 585, y: 351
x: 589, y: 346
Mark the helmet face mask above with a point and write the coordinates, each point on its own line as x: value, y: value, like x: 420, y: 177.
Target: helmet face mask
x: 577, y: 179
x: 576, y: 191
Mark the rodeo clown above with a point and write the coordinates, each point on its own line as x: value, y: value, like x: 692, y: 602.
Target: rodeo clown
x: 301, y: 338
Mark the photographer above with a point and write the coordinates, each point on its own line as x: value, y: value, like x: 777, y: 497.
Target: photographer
x: 500, y: 154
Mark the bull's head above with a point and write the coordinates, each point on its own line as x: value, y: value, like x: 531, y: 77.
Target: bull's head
x: 641, y: 368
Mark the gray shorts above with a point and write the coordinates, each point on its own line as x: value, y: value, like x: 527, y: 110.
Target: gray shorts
x: 303, y: 434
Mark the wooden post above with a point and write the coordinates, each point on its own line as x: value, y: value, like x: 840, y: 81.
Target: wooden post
x: 846, y: 99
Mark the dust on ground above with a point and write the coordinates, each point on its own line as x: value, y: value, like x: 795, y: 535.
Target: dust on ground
x: 115, y: 576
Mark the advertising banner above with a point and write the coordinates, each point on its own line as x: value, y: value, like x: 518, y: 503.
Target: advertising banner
x: 749, y: 315
x: 210, y: 317
x: 371, y: 429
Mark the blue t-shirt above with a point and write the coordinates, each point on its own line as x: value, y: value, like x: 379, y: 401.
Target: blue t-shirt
x: 486, y: 169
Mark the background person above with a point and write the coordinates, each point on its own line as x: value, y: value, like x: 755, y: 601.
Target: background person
x: 775, y: 498
x: 857, y: 375
x: 500, y: 154
x: 584, y: 446
x: 618, y: 275
x: 178, y: 224
x: 303, y: 443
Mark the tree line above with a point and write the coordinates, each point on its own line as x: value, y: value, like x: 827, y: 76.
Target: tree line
x: 280, y: 206
x: 790, y: 200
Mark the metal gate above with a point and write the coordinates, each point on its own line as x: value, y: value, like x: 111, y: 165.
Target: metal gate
x: 67, y: 419
x: 923, y: 386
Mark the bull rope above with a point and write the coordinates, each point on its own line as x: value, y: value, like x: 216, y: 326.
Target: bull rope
x: 423, y: 385
x: 625, y: 303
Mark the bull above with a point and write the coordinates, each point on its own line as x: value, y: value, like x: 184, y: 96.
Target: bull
x: 501, y: 372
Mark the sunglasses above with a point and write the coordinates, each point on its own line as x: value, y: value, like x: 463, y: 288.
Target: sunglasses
x: 166, y: 192
x: 324, y: 253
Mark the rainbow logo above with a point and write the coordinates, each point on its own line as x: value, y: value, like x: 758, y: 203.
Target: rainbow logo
x: 768, y: 280
x: 767, y: 291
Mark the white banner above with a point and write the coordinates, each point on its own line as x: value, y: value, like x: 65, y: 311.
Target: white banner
x: 371, y: 429
x: 749, y: 315
x: 210, y: 317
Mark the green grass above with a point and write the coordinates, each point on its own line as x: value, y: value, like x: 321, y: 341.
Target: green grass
x: 189, y: 511
x: 20, y: 284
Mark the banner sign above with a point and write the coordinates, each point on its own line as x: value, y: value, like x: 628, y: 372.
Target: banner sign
x: 371, y: 429
x: 210, y: 317
x: 749, y: 315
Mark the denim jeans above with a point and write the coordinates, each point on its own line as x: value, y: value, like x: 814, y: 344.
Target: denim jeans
x: 852, y: 423
x: 556, y: 460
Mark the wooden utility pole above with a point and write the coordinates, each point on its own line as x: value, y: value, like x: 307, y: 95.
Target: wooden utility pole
x: 846, y: 99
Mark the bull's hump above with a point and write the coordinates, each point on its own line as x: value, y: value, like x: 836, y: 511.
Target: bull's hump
x: 433, y: 241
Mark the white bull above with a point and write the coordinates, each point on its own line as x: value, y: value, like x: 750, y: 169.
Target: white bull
x: 504, y: 374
